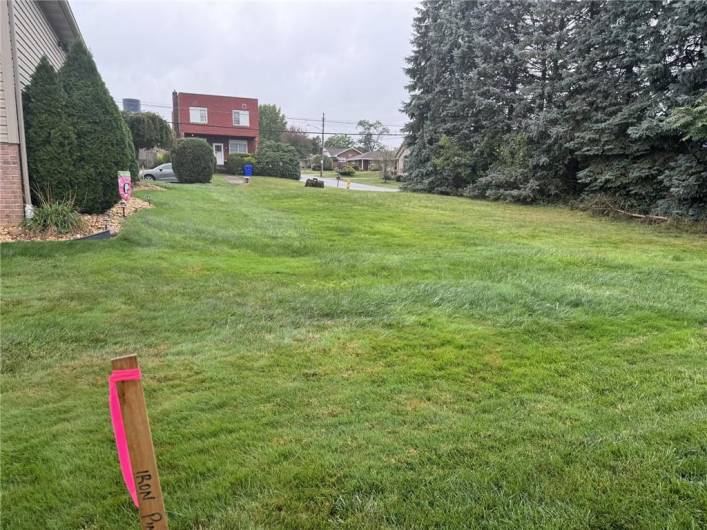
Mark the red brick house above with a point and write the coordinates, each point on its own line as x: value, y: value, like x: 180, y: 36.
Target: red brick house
x: 229, y: 124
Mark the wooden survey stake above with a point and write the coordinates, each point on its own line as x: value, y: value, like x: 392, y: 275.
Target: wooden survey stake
x: 142, y: 452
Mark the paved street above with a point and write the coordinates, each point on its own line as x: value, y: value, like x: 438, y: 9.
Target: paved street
x: 331, y: 183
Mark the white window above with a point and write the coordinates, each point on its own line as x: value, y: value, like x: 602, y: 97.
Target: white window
x: 241, y: 118
x: 237, y: 146
x: 198, y: 115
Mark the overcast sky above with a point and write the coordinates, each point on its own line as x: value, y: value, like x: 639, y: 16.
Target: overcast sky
x: 342, y: 58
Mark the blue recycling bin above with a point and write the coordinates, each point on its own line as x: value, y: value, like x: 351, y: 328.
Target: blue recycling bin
x: 248, y: 170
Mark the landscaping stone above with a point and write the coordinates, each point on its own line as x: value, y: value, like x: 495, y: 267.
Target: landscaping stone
x: 110, y: 220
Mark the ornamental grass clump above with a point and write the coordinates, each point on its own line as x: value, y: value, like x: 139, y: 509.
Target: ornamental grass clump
x: 54, y: 215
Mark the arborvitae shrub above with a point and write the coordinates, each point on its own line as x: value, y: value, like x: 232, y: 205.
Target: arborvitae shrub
x: 51, y: 141
x: 103, y: 142
x: 275, y: 159
x: 193, y: 160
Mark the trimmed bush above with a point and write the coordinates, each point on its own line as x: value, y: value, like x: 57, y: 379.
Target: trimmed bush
x: 193, y: 160
x: 346, y: 171
x: 275, y: 159
x: 103, y: 142
x: 52, y: 215
x: 236, y: 161
x: 51, y: 141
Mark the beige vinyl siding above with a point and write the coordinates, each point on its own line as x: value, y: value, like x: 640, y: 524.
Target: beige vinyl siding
x: 3, y: 110
x: 8, y: 120
x: 35, y: 38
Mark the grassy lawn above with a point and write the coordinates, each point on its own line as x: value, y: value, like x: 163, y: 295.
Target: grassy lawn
x: 362, y: 177
x: 316, y: 359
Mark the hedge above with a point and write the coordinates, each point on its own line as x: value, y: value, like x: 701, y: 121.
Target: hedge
x: 236, y: 161
x: 193, y: 160
x: 275, y: 159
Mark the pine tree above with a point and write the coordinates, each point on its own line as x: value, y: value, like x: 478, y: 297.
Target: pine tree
x: 547, y: 100
x: 104, y: 144
x: 622, y: 147
x: 429, y: 68
x: 51, y: 141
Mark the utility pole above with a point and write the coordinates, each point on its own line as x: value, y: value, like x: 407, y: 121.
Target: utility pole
x: 321, y: 155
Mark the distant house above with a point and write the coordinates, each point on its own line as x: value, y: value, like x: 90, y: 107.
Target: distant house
x: 401, y: 158
x: 29, y: 30
x: 370, y: 161
x: 228, y: 123
x: 341, y: 155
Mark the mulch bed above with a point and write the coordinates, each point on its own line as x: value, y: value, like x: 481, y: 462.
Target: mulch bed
x: 111, y: 220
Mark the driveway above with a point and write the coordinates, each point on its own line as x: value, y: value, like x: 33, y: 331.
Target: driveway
x: 331, y: 183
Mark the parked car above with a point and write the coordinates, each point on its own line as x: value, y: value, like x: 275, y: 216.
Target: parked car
x: 162, y: 172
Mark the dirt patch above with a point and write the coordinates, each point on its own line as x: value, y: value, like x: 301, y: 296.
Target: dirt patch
x: 144, y: 185
x: 234, y: 180
x: 111, y: 220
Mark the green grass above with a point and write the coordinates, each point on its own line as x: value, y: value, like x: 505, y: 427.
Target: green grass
x: 362, y: 177
x: 317, y: 359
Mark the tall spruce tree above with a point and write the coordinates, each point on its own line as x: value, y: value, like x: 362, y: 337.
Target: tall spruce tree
x: 547, y: 100
x: 429, y: 69
x: 624, y: 150
x: 103, y: 141
x: 51, y: 141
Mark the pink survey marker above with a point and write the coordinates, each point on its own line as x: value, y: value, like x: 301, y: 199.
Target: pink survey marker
x: 116, y: 416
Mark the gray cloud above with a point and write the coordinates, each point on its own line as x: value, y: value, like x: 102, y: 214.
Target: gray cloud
x: 342, y: 58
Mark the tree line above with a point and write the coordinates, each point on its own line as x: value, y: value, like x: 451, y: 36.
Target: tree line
x: 556, y: 100
x: 273, y: 127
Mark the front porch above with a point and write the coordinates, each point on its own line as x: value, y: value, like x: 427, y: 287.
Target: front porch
x: 225, y: 145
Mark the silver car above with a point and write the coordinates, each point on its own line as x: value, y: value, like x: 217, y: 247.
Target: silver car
x: 162, y: 172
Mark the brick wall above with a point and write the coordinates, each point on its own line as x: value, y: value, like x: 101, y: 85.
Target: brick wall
x: 211, y: 139
x: 220, y: 115
x: 11, y: 202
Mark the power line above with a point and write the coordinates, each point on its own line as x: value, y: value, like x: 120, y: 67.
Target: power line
x: 342, y: 122
x: 230, y: 128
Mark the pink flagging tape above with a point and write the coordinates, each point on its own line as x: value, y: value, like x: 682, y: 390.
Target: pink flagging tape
x: 116, y: 416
